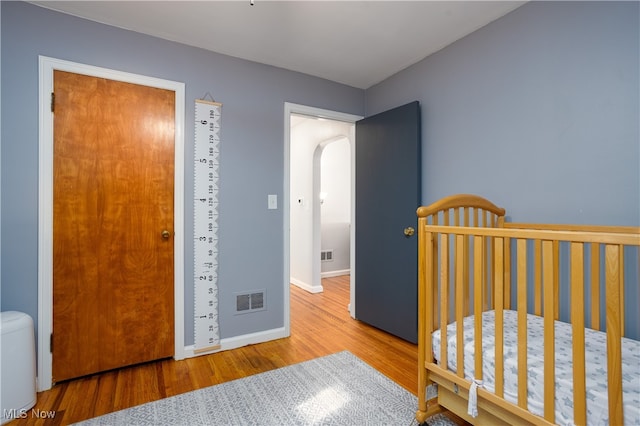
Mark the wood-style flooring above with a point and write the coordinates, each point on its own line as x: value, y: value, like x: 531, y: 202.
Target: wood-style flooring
x: 320, y: 325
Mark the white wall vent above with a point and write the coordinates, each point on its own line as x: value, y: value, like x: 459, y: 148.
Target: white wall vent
x: 251, y: 301
x: 326, y: 255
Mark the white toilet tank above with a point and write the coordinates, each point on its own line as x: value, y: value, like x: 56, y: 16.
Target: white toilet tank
x: 17, y: 365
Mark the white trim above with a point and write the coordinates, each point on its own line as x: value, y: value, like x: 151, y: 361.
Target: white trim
x: 352, y: 258
x: 291, y: 108
x: 45, y: 202
x: 306, y: 286
x: 337, y: 273
x: 239, y: 341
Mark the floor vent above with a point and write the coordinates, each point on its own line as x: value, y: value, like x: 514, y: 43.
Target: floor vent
x: 252, y: 301
x: 326, y: 255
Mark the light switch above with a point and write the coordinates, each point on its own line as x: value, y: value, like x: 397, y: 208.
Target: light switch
x: 272, y: 201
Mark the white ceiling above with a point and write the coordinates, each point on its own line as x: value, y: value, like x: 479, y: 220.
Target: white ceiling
x: 358, y: 43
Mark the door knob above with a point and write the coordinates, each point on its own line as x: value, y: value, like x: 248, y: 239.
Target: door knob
x: 166, y: 234
x: 409, y: 231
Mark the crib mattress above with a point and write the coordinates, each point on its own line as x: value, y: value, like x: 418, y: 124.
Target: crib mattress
x: 596, y: 366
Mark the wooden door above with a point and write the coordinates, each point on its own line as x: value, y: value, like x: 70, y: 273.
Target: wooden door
x: 113, y: 198
x: 387, y: 195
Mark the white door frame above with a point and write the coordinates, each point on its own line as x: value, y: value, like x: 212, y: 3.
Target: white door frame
x: 291, y: 108
x: 45, y: 202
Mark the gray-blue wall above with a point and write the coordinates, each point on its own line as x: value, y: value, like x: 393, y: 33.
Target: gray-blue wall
x: 537, y: 111
x: 252, y: 150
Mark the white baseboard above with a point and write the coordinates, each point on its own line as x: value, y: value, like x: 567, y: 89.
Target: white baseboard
x: 338, y: 273
x: 240, y: 341
x: 307, y: 287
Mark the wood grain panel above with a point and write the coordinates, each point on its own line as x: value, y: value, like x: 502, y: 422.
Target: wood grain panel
x: 113, y: 196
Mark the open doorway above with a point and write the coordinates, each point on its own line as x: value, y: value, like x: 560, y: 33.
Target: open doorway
x: 332, y: 183
x: 320, y: 192
x: 309, y: 132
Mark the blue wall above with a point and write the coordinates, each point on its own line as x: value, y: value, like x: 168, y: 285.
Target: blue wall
x: 537, y: 111
x: 252, y: 156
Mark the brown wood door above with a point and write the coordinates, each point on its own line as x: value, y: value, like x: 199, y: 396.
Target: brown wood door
x: 113, y: 173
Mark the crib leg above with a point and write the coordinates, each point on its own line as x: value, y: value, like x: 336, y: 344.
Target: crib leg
x: 432, y: 408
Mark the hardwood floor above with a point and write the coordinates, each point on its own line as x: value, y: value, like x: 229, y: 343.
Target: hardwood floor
x: 320, y: 325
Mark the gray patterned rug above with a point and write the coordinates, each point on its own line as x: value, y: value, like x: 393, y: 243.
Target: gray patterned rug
x: 338, y: 389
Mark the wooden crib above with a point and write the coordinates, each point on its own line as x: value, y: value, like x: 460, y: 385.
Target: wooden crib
x: 569, y: 281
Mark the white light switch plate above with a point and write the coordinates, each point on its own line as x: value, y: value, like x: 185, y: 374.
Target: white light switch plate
x: 272, y: 201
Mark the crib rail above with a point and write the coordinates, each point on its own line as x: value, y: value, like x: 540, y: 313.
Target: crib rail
x: 463, y: 210
x: 595, y: 265
x: 528, y: 268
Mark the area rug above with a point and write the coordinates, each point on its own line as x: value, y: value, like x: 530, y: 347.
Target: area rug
x: 338, y: 389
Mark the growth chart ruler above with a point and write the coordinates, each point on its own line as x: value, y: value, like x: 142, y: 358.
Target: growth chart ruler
x: 205, y: 225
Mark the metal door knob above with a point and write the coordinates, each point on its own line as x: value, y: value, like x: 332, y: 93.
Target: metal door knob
x: 166, y: 234
x: 409, y: 231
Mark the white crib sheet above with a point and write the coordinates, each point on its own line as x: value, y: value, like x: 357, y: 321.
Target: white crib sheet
x: 596, y: 366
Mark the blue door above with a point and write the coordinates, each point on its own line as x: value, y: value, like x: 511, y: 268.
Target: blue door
x: 387, y: 196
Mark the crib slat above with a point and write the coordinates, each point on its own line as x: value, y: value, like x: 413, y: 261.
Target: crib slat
x: 457, y: 259
x: 621, y: 281
x: 434, y: 264
x: 459, y: 310
x: 577, y: 322
x: 595, y: 286
x: 499, y: 302
x: 556, y: 277
x: 522, y: 322
x: 466, y: 222
x: 548, y: 264
x: 537, y: 278
x: 444, y: 298
x: 489, y: 273
x: 425, y: 301
x: 435, y: 312
x: 507, y: 273
x: 478, y: 298
x: 614, y: 336
x: 464, y: 241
